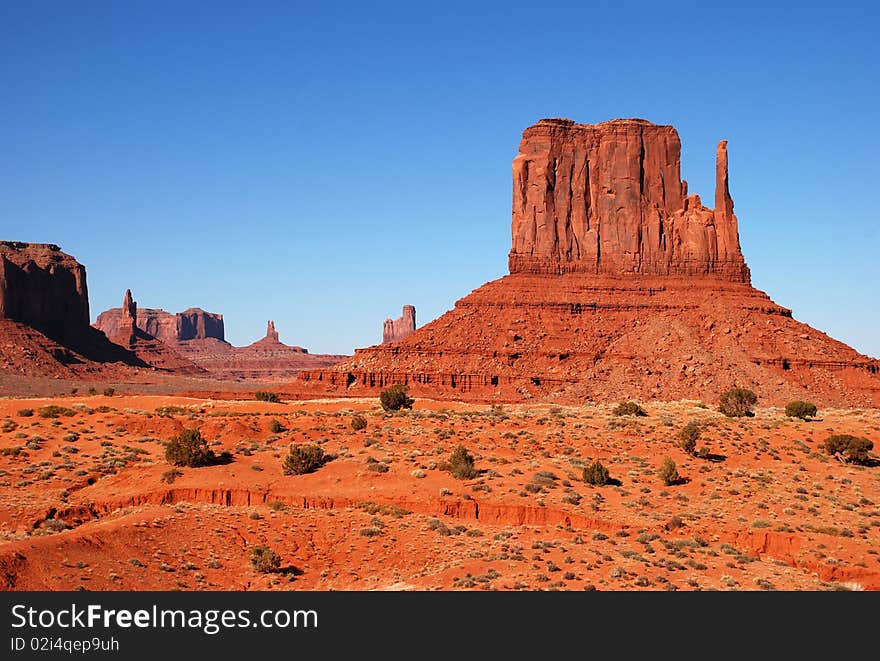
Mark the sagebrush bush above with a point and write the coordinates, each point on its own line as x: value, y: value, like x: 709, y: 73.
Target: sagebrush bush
x: 596, y: 474
x: 629, y: 408
x: 669, y: 473
x: 169, y: 476
x: 738, y: 403
x: 302, y: 459
x: 265, y: 396
x: 25, y: 413
x: 849, y: 448
x: 53, y: 411
x: 396, y: 397
x: 275, y: 427
x: 688, y: 435
x: 802, y: 410
x: 264, y: 559
x: 189, y: 449
x: 358, y: 422
x: 461, y: 464
x: 109, y: 392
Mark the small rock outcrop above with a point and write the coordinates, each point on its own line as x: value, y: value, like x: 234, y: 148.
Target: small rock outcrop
x: 271, y: 333
x: 128, y: 324
x: 397, y: 329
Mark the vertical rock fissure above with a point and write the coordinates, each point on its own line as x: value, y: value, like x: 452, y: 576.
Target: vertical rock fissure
x: 587, y: 208
x: 573, y: 243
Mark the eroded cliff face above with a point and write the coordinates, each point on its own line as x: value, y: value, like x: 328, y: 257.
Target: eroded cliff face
x: 44, y: 288
x: 196, y: 324
x: 397, y: 329
x: 608, y: 199
x: 44, y: 317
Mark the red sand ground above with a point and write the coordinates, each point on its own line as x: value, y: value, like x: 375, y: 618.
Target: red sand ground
x: 84, y: 505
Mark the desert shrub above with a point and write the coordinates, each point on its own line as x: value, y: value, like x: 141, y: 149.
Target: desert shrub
x: 303, y: 459
x: 596, y: 474
x: 264, y: 559
x: 396, y: 397
x: 171, y: 410
x: 265, y: 396
x: 738, y: 403
x: 849, y: 448
x: 53, y: 411
x: 109, y: 392
x: 669, y: 473
x: 802, y: 410
x: 169, y: 476
x: 275, y: 427
x: 461, y: 464
x: 629, y: 408
x: 25, y: 413
x: 688, y: 435
x: 358, y: 422
x: 189, y: 449
x: 9, y: 425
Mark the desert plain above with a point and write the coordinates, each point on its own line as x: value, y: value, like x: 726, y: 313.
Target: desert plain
x: 89, y: 502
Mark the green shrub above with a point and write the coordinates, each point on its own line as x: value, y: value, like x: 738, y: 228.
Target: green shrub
x: 802, y: 410
x: 688, y: 436
x: 629, y: 408
x: 275, y: 427
x: 265, y: 396
x: 25, y: 413
x: 461, y: 464
x: 396, y: 397
x: 358, y: 422
x: 849, y: 448
x: 596, y: 474
x: 264, y: 559
x: 303, y: 459
x: 109, y: 392
x: 92, y: 391
x: 669, y: 473
x: 189, y: 449
x: 53, y: 411
x: 738, y: 403
x: 169, y: 476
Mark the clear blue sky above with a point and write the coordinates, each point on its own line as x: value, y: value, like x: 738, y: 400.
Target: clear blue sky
x: 323, y: 164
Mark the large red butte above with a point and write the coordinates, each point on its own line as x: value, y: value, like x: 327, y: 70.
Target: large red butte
x: 621, y: 285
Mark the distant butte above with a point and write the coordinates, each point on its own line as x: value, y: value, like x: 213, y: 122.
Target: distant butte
x: 621, y: 285
x: 266, y: 360
x: 191, y: 324
x: 396, y: 329
x: 196, y: 337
